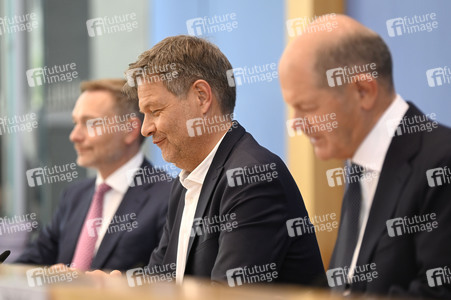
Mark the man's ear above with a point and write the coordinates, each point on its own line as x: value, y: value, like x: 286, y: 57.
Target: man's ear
x: 367, y: 92
x: 203, y: 94
x: 134, y: 130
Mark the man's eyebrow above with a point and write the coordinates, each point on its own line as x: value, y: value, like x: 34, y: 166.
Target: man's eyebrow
x: 307, y: 105
x: 148, y: 104
x: 84, y: 117
x: 143, y: 106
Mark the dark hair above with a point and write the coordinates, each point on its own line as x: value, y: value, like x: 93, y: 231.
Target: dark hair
x: 356, y: 49
x: 191, y: 58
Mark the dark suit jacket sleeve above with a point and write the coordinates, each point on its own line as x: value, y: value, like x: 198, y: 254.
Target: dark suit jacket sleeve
x: 44, y: 250
x: 161, y: 221
x: 433, y: 248
x: 260, y: 209
x: 261, y: 238
x: 157, y: 257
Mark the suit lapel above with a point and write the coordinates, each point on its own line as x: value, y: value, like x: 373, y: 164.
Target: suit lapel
x: 75, y: 223
x: 178, y: 198
x: 393, y: 178
x: 216, y: 167
x: 131, y: 203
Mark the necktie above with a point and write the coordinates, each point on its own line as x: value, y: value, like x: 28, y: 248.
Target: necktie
x: 349, y: 224
x: 84, y: 252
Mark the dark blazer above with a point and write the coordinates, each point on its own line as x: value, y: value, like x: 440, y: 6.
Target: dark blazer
x: 403, y: 259
x: 261, y: 210
x: 120, y: 249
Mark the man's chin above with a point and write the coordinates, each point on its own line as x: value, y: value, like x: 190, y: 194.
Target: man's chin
x: 167, y: 158
x: 83, y: 162
x: 322, y: 154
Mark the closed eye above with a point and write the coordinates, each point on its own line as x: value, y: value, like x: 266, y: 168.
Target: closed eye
x: 156, y: 113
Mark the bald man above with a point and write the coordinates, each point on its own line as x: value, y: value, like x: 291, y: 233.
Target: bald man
x: 395, y: 232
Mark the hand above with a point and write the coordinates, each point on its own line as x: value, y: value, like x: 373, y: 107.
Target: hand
x: 102, y: 274
x: 99, y: 277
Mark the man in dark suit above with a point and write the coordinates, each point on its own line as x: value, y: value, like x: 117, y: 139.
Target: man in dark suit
x: 395, y: 231
x: 117, y: 227
x: 232, y: 207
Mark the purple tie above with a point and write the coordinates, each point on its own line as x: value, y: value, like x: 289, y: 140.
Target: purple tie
x: 84, y: 252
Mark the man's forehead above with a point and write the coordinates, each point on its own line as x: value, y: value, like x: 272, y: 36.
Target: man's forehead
x: 147, y: 95
x: 94, y: 99
x: 149, y: 87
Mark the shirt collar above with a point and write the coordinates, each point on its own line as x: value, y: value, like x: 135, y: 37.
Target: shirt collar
x: 118, y: 180
x: 197, y: 176
x: 371, y: 152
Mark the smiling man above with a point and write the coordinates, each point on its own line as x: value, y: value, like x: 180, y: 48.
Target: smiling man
x: 232, y: 209
x: 115, y: 220
x: 396, y: 150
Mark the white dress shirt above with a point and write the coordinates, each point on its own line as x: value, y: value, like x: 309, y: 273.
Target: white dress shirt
x: 192, y: 182
x: 371, y: 155
x: 119, y: 183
